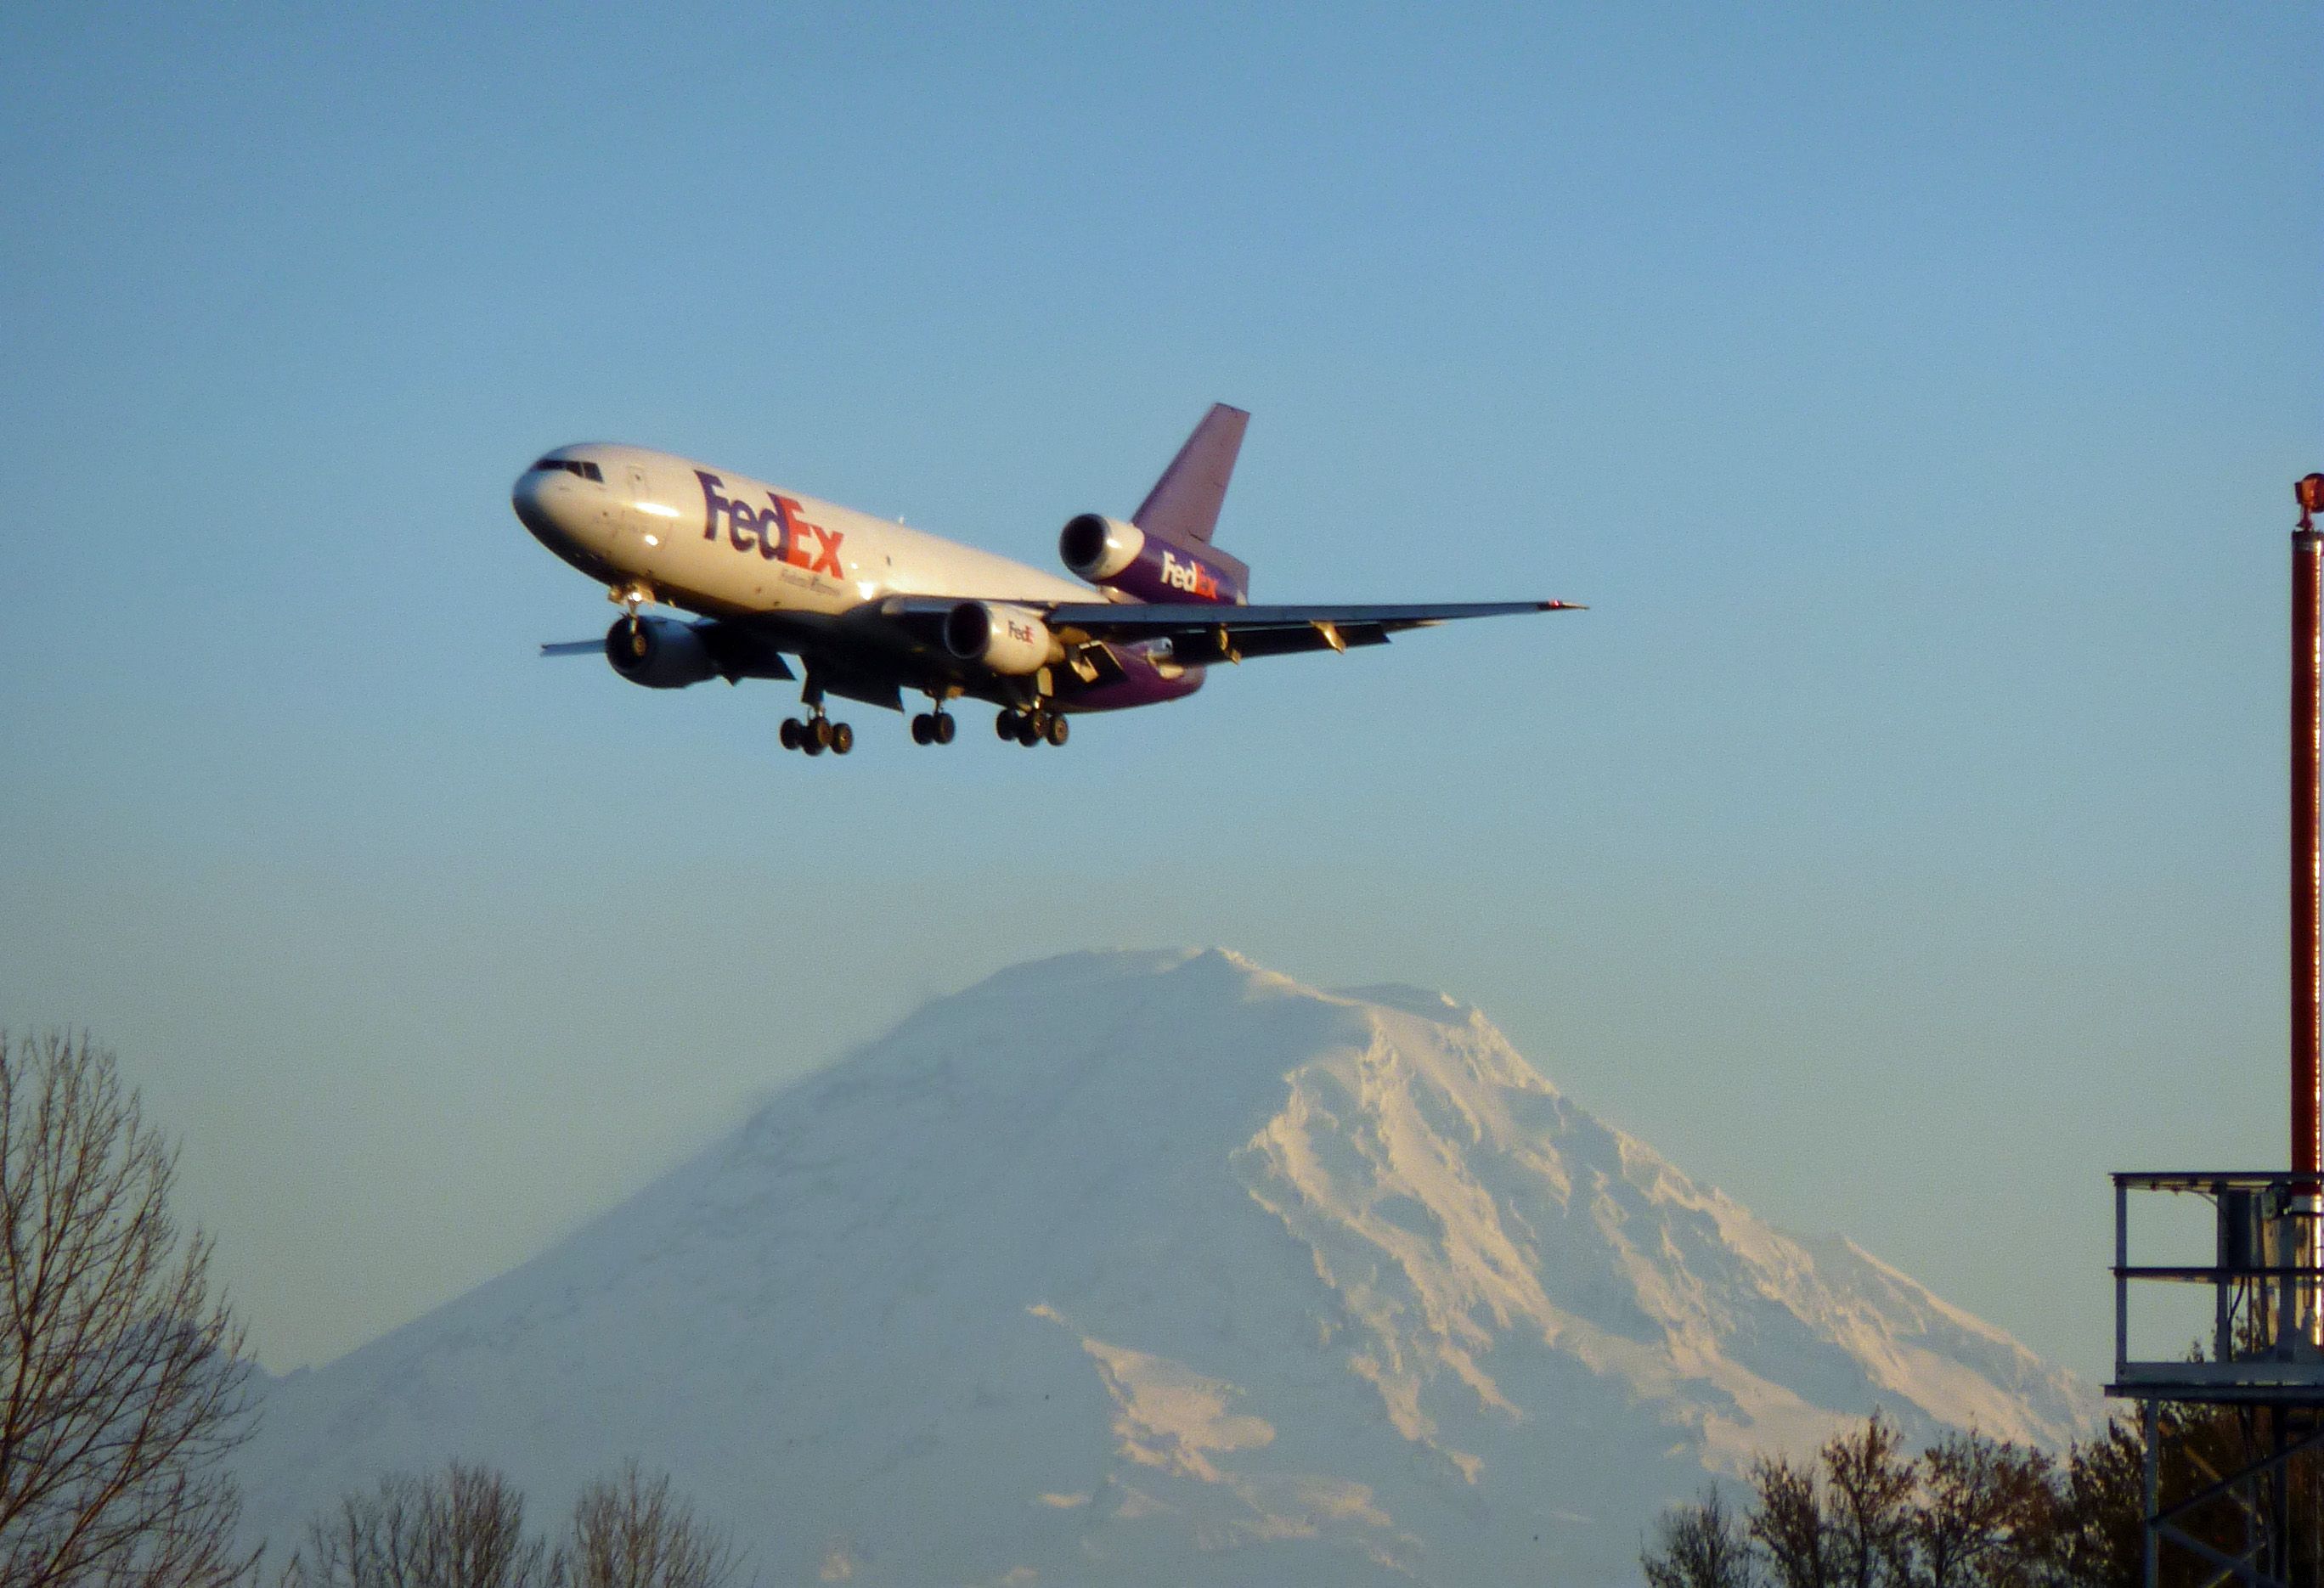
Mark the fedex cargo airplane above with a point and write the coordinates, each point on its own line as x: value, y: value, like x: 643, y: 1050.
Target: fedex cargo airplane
x: 872, y: 609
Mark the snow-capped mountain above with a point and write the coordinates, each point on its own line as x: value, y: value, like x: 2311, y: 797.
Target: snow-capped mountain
x: 1159, y: 1268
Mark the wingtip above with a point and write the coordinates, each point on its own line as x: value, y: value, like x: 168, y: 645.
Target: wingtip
x: 1563, y: 606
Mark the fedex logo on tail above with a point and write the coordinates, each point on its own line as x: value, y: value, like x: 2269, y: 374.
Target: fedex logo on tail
x: 777, y: 532
x: 1164, y: 573
x: 1190, y: 576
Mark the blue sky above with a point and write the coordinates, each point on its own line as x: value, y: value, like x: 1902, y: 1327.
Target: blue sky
x: 1913, y: 394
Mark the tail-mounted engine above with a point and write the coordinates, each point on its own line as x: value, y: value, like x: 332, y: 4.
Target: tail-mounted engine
x: 1097, y: 547
x: 1121, y: 556
x: 660, y: 653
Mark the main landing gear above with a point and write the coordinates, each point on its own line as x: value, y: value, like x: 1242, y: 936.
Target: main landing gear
x: 1030, y: 727
x: 932, y: 727
x: 818, y: 734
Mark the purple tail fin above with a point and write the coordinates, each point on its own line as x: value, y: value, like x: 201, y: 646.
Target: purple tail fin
x: 1184, y: 505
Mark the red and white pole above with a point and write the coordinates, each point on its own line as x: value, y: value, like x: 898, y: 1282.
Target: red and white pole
x: 2307, y: 860
x: 2308, y: 887
x: 2308, y: 833
x: 2301, y: 1301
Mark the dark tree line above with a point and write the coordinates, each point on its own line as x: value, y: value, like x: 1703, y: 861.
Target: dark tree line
x: 464, y: 1528
x: 1974, y: 1512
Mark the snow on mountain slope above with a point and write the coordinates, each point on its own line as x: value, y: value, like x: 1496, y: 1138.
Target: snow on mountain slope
x: 1154, y: 1267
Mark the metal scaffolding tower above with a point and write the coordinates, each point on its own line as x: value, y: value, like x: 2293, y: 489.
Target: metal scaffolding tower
x: 2263, y: 1367
x: 2260, y: 1366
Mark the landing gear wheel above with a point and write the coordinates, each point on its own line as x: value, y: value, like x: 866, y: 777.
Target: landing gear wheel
x: 1028, y: 729
x: 842, y: 738
x: 818, y: 736
x: 792, y: 736
x: 943, y: 725
x: 811, y: 745
x: 924, y: 729
x: 1005, y: 724
x: 1055, y: 730
x: 630, y: 598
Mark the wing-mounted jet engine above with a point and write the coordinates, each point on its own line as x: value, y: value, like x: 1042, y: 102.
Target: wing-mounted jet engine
x: 1011, y: 641
x: 660, y: 653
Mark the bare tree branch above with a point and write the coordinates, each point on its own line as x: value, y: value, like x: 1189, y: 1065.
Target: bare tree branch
x: 628, y: 1532
x: 1701, y: 1546
x: 462, y: 1529
x: 122, y: 1387
x: 1787, y: 1524
x: 1869, y: 1491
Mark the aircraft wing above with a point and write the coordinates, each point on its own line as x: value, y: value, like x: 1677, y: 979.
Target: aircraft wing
x: 1202, y: 633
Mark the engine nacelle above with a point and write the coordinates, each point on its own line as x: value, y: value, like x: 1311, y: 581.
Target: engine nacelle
x: 660, y: 653
x: 1125, y: 559
x: 1097, y: 547
x: 1006, y: 638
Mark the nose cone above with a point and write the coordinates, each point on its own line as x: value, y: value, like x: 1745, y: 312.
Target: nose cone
x: 562, y: 500
x: 534, y: 498
x: 564, y: 513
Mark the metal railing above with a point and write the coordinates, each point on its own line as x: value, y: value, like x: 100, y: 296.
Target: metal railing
x: 2265, y: 1283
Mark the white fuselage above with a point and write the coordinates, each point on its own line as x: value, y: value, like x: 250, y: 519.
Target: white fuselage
x: 722, y: 544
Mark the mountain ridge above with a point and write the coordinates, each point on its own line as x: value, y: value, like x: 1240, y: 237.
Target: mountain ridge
x: 1145, y: 1265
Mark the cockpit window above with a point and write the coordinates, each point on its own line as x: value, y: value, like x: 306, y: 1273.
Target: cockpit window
x: 579, y: 469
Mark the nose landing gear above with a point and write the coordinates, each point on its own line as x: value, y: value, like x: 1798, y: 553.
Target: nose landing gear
x: 630, y: 597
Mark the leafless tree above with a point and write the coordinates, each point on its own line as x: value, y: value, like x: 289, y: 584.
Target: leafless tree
x: 1701, y: 1546
x: 464, y: 1529
x: 1787, y: 1524
x: 2102, y: 1506
x: 629, y: 1532
x: 1988, y: 1515
x: 1869, y: 1488
x: 1971, y: 1511
x: 121, y: 1384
